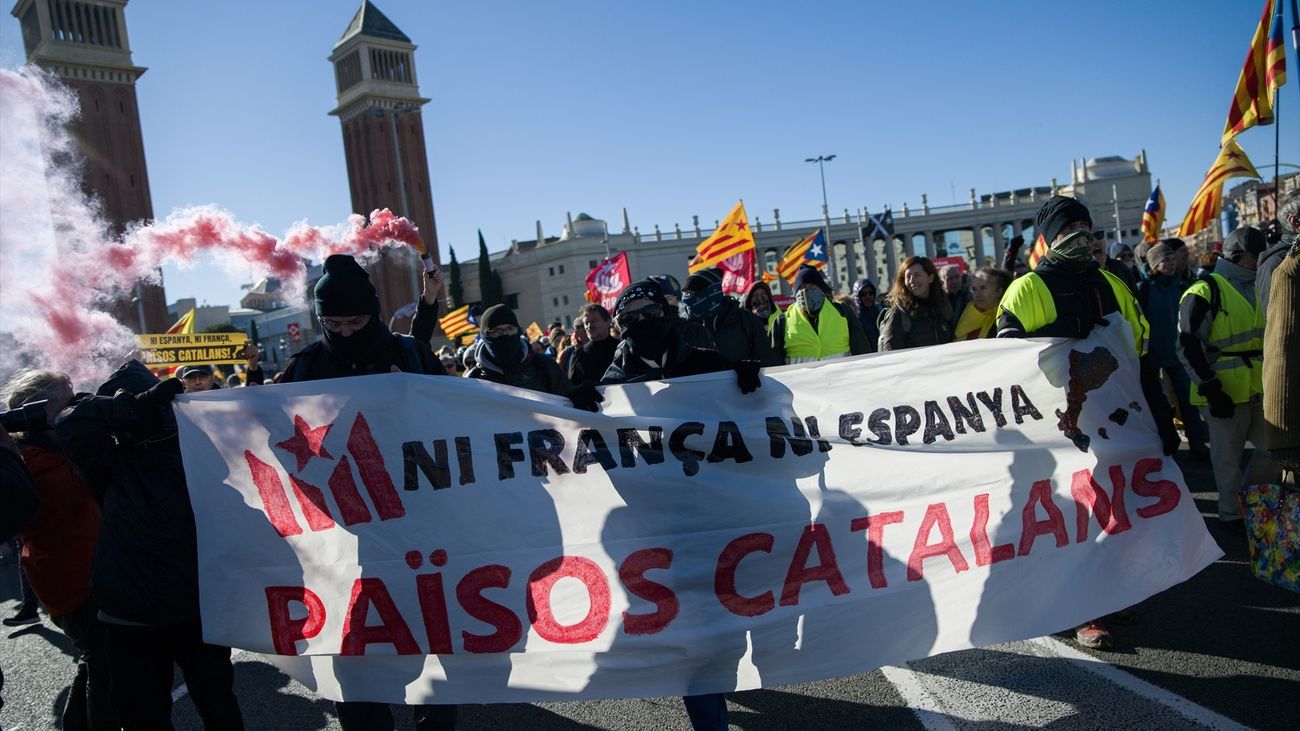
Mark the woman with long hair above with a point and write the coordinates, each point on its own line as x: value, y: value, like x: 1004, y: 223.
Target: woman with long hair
x: 918, y: 313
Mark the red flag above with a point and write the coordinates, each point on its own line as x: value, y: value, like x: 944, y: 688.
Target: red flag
x: 608, y: 280
x: 737, y: 272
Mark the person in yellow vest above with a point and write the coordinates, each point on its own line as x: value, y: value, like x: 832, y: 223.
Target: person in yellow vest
x: 1066, y: 296
x: 815, y: 327
x: 987, y: 286
x: 1221, y: 343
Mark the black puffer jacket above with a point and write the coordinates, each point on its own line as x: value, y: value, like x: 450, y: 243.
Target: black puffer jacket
x: 739, y: 335
x: 681, y: 360
x: 535, y: 373
x: 316, y: 362
x: 146, y: 561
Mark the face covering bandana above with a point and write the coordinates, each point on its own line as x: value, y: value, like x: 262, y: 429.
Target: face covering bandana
x: 705, y: 303
x: 810, y: 299
x: 360, y: 347
x: 649, y: 338
x: 762, y: 312
x: 1075, y: 249
x: 506, y: 351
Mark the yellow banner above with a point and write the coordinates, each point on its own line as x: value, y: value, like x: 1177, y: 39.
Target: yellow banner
x: 165, y: 349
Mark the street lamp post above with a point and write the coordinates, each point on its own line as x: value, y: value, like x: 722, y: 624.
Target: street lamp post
x: 821, y: 161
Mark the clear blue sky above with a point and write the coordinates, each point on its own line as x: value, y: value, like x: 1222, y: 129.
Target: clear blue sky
x: 674, y: 109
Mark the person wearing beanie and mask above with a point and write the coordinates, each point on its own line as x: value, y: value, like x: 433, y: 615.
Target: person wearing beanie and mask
x: 736, y: 333
x: 505, y: 357
x: 122, y: 442
x: 1068, y: 294
x: 1221, y: 341
x: 655, y: 348
x: 355, y: 341
x: 918, y: 313
x: 1160, y: 294
x: 694, y: 332
x: 866, y: 296
x: 815, y: 327
x: 758, y: 302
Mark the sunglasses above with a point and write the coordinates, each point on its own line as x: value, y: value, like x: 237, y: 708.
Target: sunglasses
x: 625, y: 320
x: 334, y: 324
x: 501, y: 331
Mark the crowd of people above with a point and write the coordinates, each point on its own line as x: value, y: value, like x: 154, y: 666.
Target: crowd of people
x: 100, y: 502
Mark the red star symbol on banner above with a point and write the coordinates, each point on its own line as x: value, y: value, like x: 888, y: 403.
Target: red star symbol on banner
x: 1232, y: 155
x: 306, y: 442
x: 741, y: 225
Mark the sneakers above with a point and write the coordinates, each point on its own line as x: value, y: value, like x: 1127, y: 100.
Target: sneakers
x: 1093, y: 635
x: 23, y: 616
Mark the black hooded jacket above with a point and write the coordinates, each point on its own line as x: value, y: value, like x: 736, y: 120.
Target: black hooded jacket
x: 534, y: 373
x: 146, y: 561
x: 739, y: 335
x: 681, y: 359
x: 317, y: 361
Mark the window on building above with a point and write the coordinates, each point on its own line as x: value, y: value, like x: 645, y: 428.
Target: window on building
x: 550, y: 271
x: 511, y: 300
x: 568, y: 321
x: 561, y: 269
x: 555, y: 301
x: 566, y: 299
x: 591, y: 263
x: 348, y: 71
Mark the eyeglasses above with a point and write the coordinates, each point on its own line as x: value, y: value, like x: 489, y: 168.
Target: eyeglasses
x: 502, y: 331
x: 335, y: 324
x: 625, y: 320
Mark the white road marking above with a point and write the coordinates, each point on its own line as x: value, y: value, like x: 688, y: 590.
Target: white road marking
x: 927, y: 709
x: 1134, y: 684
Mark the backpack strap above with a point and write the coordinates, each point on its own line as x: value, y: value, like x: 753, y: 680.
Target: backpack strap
x: 1216, y: 296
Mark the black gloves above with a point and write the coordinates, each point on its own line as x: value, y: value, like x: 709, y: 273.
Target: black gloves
x: 152, y: 406
x: 586, y: 397
x: 1170, y: 441
x: 1221, y: 406
x: 747, y: 375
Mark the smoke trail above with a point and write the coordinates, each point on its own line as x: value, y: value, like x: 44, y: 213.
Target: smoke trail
x: 61, y: 269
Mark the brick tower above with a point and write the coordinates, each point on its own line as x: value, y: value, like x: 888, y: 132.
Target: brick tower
x: 383, y: 140
x: 84, y: 42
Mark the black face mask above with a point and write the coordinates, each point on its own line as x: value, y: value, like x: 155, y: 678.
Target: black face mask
x: 362, y: 346
x: 649, y: 339
x: 507, y: 351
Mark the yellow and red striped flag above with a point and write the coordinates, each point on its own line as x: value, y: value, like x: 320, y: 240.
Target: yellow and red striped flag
x: 1251, y: 102
x: 183, y: 326
x: 1275, y: 66
x: 456, y: 323
x: 731, y: 237
x: 534, y: 331
x: 810, y: 251
x: 1208, y: 201
x: 769, y: 277
x: 1153, y: 216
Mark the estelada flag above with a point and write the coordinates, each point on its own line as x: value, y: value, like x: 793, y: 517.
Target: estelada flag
x: 731, y: 237
x: 810, y: 251
x: 456, y: 322
x: 1264, y: 71
x: 183, y: 326
x: 608, y: 280
x: 534, y: 330
x: 737, y: 272
x: 1208, y: 201
x: 1153, y: 216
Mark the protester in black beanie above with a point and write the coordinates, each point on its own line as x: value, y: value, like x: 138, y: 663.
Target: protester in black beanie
x: 505, y: 357
x: 355, y: 341
x: 1057, y: 214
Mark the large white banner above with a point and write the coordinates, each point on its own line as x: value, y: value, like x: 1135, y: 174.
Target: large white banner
x: 406, y: 538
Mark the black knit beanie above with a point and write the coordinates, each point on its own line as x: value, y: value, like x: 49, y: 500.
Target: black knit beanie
x: 345, y: 289
x: 810, y: 275
x: 1057, y: 213
x: 496, y: 316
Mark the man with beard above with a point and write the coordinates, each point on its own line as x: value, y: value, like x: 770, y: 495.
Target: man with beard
x: 816, y: 327
x: 655, y: 348
x: 144, y: 579
x: 592, y: 360
x: 736, y: 333
x: 356, y: 342
x: 505, y: 357
x: 1066, y: 296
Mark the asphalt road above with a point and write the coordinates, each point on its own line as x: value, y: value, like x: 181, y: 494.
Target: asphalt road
x: 1219, y: 651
